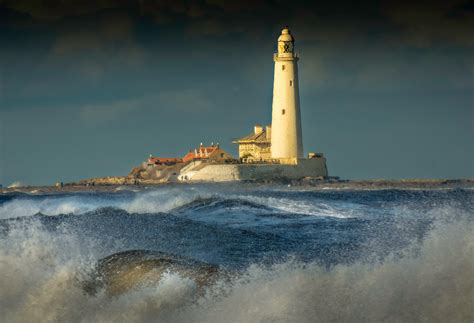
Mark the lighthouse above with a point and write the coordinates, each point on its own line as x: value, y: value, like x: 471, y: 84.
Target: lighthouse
x: 277, y: 149
x: 286, y: 137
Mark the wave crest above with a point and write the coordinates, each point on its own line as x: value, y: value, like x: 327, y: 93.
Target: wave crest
x: 430, y: 282
x: 174, y: 201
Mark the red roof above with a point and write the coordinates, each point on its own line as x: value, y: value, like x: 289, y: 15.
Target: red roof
x: 200, y: 153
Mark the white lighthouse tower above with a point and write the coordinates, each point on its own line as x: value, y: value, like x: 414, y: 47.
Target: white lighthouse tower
x: 277, y: 150
x: 286, y: 137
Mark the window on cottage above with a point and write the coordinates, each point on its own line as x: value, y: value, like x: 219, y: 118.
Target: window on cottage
x: 283, y: 67
x: 283, y: 111
x: 291, y: 83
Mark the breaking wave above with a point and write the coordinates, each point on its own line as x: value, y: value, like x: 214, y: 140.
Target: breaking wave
x: 161, y: 201
x: 433, y: 282
x: 390, y: 256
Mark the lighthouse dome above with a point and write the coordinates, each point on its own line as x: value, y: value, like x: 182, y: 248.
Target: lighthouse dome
x: 285, y: 35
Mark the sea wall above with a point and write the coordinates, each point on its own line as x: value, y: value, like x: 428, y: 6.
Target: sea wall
x: 314, y: 167
x: 215, y: 173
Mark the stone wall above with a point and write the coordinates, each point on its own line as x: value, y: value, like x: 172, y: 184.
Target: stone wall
x: 314, y: 167
x: 216, y: 173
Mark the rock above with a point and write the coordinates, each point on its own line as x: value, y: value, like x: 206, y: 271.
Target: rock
x: 125, y: 270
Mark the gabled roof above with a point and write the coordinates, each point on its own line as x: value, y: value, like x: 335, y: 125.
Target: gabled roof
x: 202, y: 152
x: 260, y: 137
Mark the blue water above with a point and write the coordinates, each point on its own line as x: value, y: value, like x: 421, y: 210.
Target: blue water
x: 336, y: 244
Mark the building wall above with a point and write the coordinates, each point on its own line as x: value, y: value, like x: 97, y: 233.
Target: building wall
x: 286, y: 136
x: 220, y: 155
x: 313, y: 167
x: 257, y: 150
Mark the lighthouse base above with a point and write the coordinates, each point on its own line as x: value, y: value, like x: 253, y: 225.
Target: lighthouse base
x: 304, y: 167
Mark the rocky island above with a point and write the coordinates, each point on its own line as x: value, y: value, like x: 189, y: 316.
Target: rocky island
x: 271, y: 153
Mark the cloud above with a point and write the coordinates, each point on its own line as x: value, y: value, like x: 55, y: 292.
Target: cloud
x: 240, y: 5
x: 57, y: 9
x: 416, y: 23
x: 425, y: 23
x: 98, y: 46
x: 353, y: 46
x: 117, y: 29
x: 378, y: 68
x: 109, y: 111
x: 167, y: 11
x: 163, y: 10
x: 189, y: 101
x: 215, y: 27
x: 213, y: 15
x: 388, y: 55
x: 192, y: 101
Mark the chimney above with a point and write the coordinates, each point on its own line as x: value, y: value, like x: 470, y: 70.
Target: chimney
x: 258, y: 128
x: 268, y: 132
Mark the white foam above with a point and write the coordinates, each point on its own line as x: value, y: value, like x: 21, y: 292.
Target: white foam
x: 40, y: 271
x: 48, y: 206
x: 15, y: 185
x: 168, y: 198
x: 160, y: 200
x: 307, y: 207
x: 153, y: 201
x: 434, y: 285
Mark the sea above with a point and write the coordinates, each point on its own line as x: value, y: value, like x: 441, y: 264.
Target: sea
x: 287, y: 254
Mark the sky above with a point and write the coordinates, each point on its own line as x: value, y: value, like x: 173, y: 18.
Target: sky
x: 91, y: 88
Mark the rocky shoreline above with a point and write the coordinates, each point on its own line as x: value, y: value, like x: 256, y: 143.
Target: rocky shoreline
x: 116, y: 184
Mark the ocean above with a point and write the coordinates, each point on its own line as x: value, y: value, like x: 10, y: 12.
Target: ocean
x: 282, y: 254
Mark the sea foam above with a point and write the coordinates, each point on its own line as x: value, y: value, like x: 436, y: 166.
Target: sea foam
x: 431, y: 282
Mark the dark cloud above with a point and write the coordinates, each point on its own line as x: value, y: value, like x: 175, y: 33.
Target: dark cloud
x: 424, y: 23
x: 162, y: 11
x: 56, y: 9
x: 418, y: 23
x: 241, y: 5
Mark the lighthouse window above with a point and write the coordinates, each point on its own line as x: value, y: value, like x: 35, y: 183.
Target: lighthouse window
x: 291, y: 83
x: 283, y: 111
x: 283, y: 67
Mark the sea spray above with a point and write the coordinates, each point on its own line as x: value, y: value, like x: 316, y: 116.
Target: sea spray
x: 404, y: 256
x: 433, y: 284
